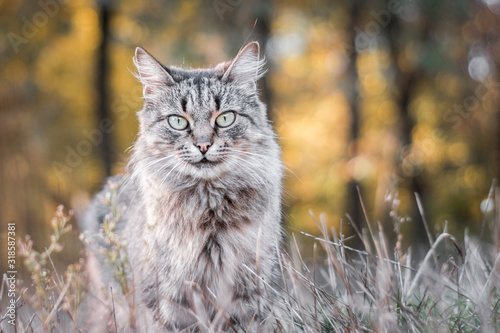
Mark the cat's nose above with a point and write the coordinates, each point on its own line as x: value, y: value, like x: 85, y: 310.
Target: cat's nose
x: 203, y: 145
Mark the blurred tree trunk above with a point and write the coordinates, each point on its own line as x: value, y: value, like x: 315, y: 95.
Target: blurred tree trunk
x: 102, y: 68
x: 251, y: 21
x: 353, y: 204
x: 263, y: 13
x: 406, y: 83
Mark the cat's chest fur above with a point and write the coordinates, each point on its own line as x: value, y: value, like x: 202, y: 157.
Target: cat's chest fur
x: 204, y: 233
x: 202, y: 207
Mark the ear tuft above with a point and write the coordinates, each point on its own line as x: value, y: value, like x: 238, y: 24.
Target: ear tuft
x: 151, y: 74
x: 247, y: 66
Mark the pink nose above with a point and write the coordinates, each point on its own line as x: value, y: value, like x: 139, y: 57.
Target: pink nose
x: 203, y: 146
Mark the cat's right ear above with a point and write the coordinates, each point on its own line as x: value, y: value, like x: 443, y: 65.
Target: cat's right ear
x: 246, y: 68
x: 152, y: 74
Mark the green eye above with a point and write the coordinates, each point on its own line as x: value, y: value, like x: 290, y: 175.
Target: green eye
x: 225, y: 119
x: 178, y: 122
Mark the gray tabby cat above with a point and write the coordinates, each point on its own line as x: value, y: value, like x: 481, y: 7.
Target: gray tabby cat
x: 202, y: 218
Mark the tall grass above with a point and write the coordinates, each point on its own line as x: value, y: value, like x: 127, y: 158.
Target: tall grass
x: 455, y: 288
x: 375, y: 288
x: 49, y: 302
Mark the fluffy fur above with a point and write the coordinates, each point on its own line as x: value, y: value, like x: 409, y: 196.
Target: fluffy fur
x: 201, y: 228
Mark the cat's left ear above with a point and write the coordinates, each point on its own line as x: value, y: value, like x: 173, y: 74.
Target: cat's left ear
x: 152, y: 74
x: 247, y: 67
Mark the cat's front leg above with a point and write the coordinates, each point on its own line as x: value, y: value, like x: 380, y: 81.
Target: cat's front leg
x: 250, y: 308
x: 252, y: 321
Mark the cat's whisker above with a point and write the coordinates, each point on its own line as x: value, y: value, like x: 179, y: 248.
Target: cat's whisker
x: 217, y: 175
x: 162, y: 168
x: 133, y: 197
x: 138, y: 167
x: 249, y: 158
x: 249, y: 170
x: 147, y: 166
x: 149, y: 156
x: 243, y: 152
x: 260, y: 182
x: 132, y: 165
x: 168, y: 174
x: 284, y: 164
x: 129, y: 149
x: 136, y: 172
x: 271, y: 136
x: 247, y: 152
x: 138, y: 188
x: 181, y: 171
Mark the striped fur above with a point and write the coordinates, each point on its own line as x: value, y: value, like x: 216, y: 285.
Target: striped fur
x: 200, y: 228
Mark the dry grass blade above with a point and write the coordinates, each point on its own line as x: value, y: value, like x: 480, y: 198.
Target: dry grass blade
x: 113, y: 308
x: 431, y: 252
x: 486, y: 209
x: 29, y: 323
x: 57, y: 304
x: 345, y: 289
x: 426, y: 225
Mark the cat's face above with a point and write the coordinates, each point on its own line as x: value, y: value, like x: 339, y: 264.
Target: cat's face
x: 202, y: 123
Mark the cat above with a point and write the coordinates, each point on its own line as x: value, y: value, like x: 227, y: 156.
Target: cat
x: 201, y: 215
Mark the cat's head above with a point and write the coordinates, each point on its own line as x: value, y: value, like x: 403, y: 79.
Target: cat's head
x: 202, y: 122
